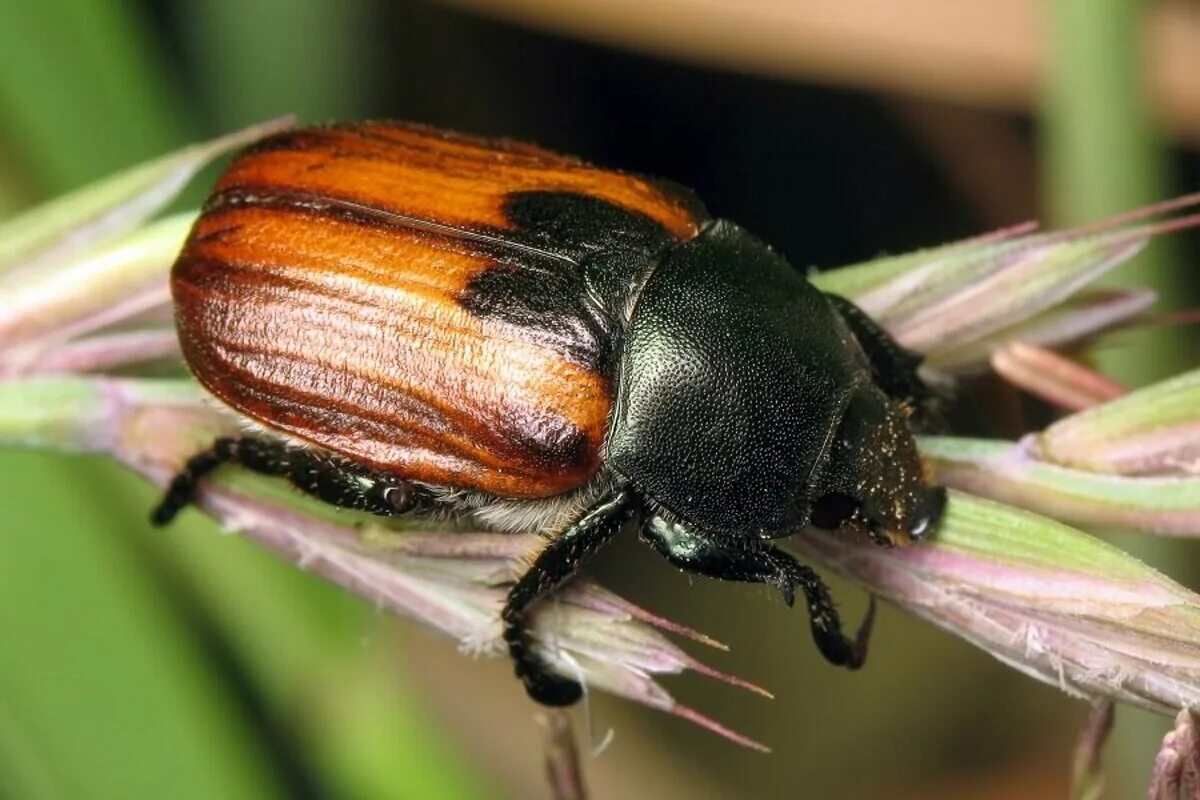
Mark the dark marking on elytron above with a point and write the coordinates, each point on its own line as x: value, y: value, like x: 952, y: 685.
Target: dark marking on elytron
x: 578, y: 225
x: 481, y: 240
x: 574, y: 310
x: 567, y: 446
x: 559, y: 276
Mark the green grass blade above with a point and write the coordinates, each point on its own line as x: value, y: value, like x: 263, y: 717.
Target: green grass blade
x: 106, y: 690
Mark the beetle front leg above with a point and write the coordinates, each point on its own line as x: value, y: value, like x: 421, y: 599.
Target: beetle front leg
x: 335, y: 481
x: 760, y: 562
x: 893, y: 366
x: 560, y: 560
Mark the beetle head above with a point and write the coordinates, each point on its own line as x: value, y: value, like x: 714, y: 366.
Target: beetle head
x: 874, y: 478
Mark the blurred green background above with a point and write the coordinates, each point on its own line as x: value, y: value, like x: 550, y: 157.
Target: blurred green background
x: 186, y: 664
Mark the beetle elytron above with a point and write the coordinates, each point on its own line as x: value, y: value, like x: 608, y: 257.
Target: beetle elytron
x: 432, y: 322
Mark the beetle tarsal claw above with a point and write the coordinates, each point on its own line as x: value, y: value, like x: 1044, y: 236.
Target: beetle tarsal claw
x: 837, y: 648
x: 862, y: 639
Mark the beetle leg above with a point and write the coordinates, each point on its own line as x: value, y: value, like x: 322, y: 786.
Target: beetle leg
x: 338, y: 482
x: 893, y: 366
x: 554, y: 565
x: 761, y: 562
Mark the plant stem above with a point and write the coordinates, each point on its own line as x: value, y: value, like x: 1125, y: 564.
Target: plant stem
x: 561, y: 754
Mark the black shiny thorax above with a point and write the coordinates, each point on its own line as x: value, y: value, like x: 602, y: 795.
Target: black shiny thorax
x: 733, y: 375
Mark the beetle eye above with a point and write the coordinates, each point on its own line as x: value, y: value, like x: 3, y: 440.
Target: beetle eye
x: 832, y: 510
x: 932, y: 507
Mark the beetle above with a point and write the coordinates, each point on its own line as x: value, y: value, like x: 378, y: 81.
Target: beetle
x: 422, y: 322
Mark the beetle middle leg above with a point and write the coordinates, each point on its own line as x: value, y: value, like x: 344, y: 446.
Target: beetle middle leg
x: 336, y: 481
x: 758, y: 562
x: 561, y: 559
